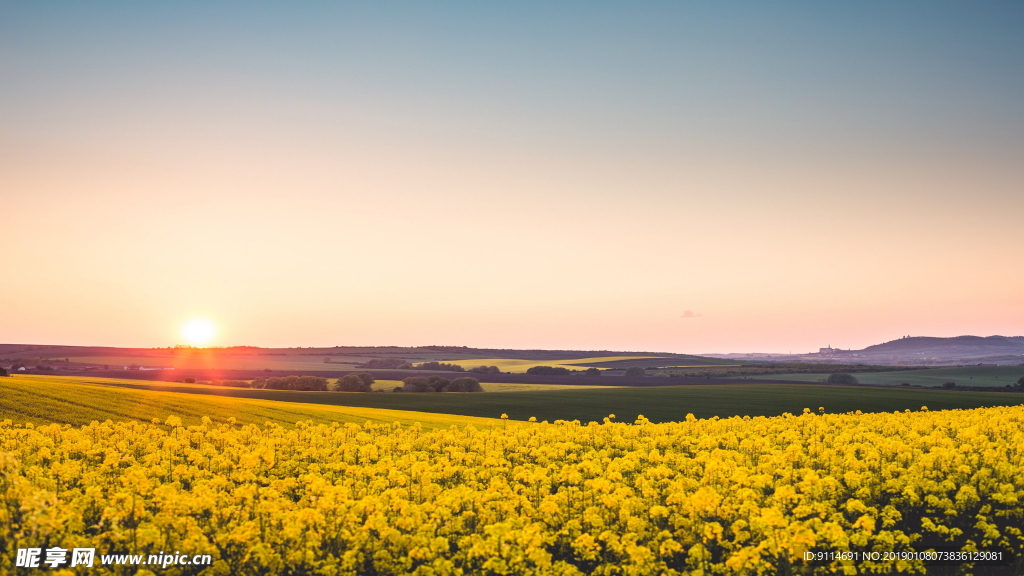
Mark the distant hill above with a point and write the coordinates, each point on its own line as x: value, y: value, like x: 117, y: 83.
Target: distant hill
x: 960, y: 346
x: 925, y: 350
x: 911, y: 351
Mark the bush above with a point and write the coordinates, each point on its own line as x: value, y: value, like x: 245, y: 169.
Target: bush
x: 440, y: 366
x: 352, y: 383
x: 592, y: 372
x: 840, y: 378
x: 635, y: 371
x: 417, y: 384
x: 306, y: 383
x: 548, y: 371
x: 231, y: 383
x: 438, y: 383
x: 189, y: 380
x: 385, y: 363
x: 949, y: 385
x: 464, y: 384
x: 485, y: 370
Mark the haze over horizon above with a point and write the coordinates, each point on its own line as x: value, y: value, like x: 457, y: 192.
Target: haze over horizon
x: 706, y: 178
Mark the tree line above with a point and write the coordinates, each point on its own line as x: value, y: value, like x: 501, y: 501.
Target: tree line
x: 560, y: 371
x: 438, y: 384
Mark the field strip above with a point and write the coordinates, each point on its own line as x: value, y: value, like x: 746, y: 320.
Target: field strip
x: 41, y: 399
x: 517, y: 366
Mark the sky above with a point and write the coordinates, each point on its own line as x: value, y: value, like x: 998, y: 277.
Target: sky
x: 680, y: 177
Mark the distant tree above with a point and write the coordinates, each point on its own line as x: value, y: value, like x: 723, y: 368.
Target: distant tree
x: 231, y: 383
x: 634, y: 371
x: 485, y: 370
x: 304, y: 383
x: 440, y: 366
x: 464, y: 384
x: 1020, y: 383
x: 3, y: 372
x: 548, y: 371
x: 352, y: 383
x: 367, y: 378
x: 592, y: 371
x: 405, y: 366
x: 949, y: 385
x: 840, y: 378
x: 384, y: 363
x: 417, y: 384
x: 438, y: 383
x: 189, y: 380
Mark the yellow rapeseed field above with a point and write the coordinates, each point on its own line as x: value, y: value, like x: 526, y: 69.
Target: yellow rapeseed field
x: 717, y: 496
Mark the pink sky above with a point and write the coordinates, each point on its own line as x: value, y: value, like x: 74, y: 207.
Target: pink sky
x: 427, y: 193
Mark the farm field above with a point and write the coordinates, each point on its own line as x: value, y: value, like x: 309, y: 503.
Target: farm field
x: 521, y: 366
x: 45, y: 399
x: 995, y: 376
x: 659, y: 404
x: 732, y: 496
x: 388, y: 385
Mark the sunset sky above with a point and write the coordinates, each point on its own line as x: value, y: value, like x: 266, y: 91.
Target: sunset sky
x: 685, y: 177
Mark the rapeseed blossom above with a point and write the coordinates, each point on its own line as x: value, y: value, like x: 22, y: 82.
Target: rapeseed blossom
x: 700, y: 496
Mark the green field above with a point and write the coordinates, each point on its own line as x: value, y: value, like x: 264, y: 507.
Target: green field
x: 47, y: 399
x: 659, y: 404
x: 989, y: 376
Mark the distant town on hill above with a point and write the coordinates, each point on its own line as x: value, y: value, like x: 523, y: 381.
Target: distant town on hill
x: 911, y: 350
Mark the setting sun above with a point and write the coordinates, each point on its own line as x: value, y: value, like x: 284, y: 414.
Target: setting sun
x: 198, y: 331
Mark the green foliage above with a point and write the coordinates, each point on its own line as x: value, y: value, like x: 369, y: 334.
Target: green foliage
x: 635, y: 371
x: 231, y: 383
x: 840, y: 378
x: 440, y: 366
x: 464, y: 384
x: 417, y: 384
x: 305, y: 383
x: 485, y: 370
x: 548, y: 371
x: 438, y: 384
x: 385, y: 363
x: 352, y: 383
x: 949, y: 385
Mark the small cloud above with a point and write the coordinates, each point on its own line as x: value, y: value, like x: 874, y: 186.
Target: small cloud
x: 690, y: 314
